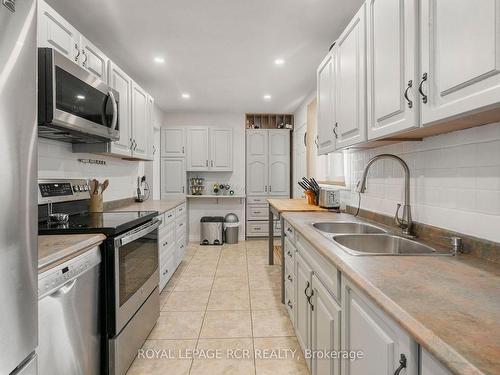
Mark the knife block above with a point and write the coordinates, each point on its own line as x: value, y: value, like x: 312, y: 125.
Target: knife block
x: 95, y: 203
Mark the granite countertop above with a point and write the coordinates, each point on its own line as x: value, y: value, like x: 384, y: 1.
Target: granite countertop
x: 162, y: 205
x: 56, y: 249
x: 293, y: 205
x: 450, y: 305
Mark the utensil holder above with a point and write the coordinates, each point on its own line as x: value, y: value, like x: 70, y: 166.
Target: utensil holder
x: 96, y: 204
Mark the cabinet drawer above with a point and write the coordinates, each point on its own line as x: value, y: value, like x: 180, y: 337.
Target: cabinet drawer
x: 289, y: 252
x: 180, y: 224
x: 257, y: 228
x: 326, y: 272
x: 169, y: 216
x: 289, y: 232
x: 180, y: 210
x: 257, y: 200
x: 257, y: 212
x: 166, y: 238
x: 167, y: 269
x: 290, y: 304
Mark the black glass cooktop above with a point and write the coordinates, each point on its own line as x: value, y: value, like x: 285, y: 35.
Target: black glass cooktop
x: 108, y: 223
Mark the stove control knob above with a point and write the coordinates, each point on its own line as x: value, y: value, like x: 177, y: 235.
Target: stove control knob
x: 85, y: 187
x: 76, y: 188
x: 81, y: 187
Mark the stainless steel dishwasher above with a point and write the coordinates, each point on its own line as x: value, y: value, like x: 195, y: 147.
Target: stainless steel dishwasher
x: 68, y: 317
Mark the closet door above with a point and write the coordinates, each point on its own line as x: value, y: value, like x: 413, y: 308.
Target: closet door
x: 257, y: 162
x: 279, y: 163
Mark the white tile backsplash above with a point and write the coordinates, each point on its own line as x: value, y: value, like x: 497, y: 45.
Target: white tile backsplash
x: 455, y: 180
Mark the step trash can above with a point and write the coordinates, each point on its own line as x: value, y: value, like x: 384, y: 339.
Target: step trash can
x: 231, y: 228
x: 211, y: 230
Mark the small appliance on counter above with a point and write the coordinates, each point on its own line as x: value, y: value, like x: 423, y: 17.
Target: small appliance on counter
x: 329, y: 198
x: 197, y: 185
x: 130, y: 267
x: 142, y: 187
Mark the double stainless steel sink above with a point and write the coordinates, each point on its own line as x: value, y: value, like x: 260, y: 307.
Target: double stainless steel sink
x: 357, y: 238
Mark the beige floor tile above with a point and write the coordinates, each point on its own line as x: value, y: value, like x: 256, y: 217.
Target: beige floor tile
x: 200, y: 270
x: 159, y: 357
x: 229, y: 300
x: 271, y: 323
x: 189, y: 283
x: 265, y: 282
x: 234, y: 356
x: 252, y: 244
x: 230, y: 283
x: 263, y: 271
x: 257, y: 260
x: 178, y: 325
x: 240, y: 271
x: 257, y: 251
x: 222, y: 324
x: 230, y: 259
x: 194, y: 300
x: 209, y: 250
x: 265, y: 299
x: 293, y: 364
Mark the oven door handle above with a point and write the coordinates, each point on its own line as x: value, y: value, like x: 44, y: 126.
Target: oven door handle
x: 138, y: 233
x: 114, y: 121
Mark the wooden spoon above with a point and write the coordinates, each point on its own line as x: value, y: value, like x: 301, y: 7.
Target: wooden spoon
x: 105, y: 185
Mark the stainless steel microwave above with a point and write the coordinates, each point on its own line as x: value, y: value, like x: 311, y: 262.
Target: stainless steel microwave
x: 74, y: 105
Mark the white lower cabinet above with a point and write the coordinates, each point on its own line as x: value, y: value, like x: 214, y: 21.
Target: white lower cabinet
x: 303, y: 279
x: 366, y: 328
x: 430, y: 366
x: 325, y: 332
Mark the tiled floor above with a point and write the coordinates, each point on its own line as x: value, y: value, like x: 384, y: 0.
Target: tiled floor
x: 221, y: 314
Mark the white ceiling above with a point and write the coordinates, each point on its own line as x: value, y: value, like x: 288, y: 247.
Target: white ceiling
x: 221, y: 52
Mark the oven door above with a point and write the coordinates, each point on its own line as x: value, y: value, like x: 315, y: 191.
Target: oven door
x: 135, y: 271
x: 75, y: 100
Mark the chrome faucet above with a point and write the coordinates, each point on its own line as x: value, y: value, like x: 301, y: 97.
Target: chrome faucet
x: 405, y: 223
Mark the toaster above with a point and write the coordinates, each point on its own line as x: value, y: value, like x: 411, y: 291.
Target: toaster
x: 329, y: 198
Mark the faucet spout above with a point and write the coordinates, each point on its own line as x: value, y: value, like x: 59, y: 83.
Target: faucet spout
x: 406, y: 222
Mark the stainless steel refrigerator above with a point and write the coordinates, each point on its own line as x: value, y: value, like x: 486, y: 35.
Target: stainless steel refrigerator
x: 18, y: 199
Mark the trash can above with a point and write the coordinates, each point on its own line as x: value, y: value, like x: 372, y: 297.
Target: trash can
x: 211, y: 230
x: 231, y: 228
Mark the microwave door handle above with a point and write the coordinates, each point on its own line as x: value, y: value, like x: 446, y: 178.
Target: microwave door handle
x: 114, y: 121
x: 128, y: 238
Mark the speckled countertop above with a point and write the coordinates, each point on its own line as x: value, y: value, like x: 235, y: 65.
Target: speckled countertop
x: 450, y: 305
x: 161, y: 206
x: 55, y: 249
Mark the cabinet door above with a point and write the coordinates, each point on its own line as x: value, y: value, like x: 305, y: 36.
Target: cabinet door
x: 279, y: 162
x: 55, y: 32
x: 139, y: 121
x: 93, y: 60
x: 173, y: 142
x: 391, y: 67
x: 257, y: 162
x: 197, y: 149
x: 350, y: 83
x: 368, y: 329
x: 325, y: 108
x: 300, y: 159
x: 460, y: 54
x: 149, y: 129
x: 303, y: 275
x: 173, y: 177
x: 325, y: 331
x: 430, y: 366
x: 221, y: 150
x: 122, y: 83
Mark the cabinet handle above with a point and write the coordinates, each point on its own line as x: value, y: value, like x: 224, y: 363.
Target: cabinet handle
x: 206, y: 163
x: 289, y: 229
x: 290, y: 278
x: 335, y: 130
x: 182, y: 149
x: 289, y: 303
x: 270, y: 190
x: 211, y: 163
x: 305, y: 139
x: 165, y: 243
x: 402, y: 365
x: 316, y: 142
x: 309, y: 296
x: 410, y: 84
x: 424, y: 97
x: 257, y: 228
x: 84, y: 63
x: 78, y: 54
x: 154, y: 149
x: 183, y: 189
x: 289, y: 253
x: 265, y: 188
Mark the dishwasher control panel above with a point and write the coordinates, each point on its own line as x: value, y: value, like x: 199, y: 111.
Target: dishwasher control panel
x: 61, y: 274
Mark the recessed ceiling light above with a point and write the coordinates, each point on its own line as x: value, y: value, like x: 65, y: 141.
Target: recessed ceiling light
x: 80, y: 97
x: 159, y: 60
x: 267, y: 97
x: 279, y: 62
x: 186, y: 95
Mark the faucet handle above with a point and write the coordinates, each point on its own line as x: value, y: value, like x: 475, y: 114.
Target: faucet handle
x: 398, y: 221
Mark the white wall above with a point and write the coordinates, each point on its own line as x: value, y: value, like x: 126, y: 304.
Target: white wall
x: 455, y: 180
x: 204, y: 207
x: 56, y: 160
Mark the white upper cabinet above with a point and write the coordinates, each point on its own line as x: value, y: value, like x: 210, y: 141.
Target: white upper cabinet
x: 257, y: 162
x: 209, y: 149
x: 325, y: 332
x: 139, y: 122
x: 221, y: 150
x: 350, y: 83
x: 92, y: 59
x: 460, y: 57
x: 173, y: 177
x: 392, y: 76
x: 197, y: 149
x: 325, y: 106
x: 55, y: 32
x: 383, y: 341
x: 150, y: 149
x: 279, y: 162
x: 173, y: 142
